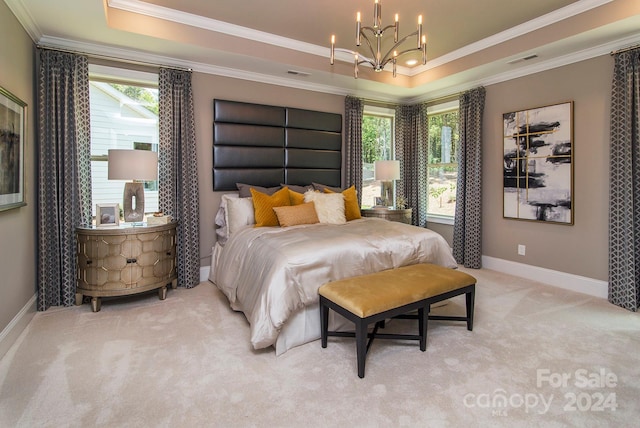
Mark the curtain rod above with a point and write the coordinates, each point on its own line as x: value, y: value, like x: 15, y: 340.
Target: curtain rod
x: 113, y: 58
x: 625, y: 49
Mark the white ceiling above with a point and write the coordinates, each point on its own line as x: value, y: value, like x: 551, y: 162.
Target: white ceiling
x: 470, y: 42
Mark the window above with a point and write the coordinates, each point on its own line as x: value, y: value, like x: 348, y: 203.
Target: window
x: 124, y: 115
x: 443, y: 166
x: 377, y: 144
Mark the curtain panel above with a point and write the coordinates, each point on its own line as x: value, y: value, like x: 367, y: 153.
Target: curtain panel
x: 624, y: 191
x: 411, y: 149
x: 178, y: 171
x: 64, y: 171
x: 467, y: 229
x: 353, y: 112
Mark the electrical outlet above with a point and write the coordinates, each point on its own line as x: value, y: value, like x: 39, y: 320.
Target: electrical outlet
x: 521, y: 249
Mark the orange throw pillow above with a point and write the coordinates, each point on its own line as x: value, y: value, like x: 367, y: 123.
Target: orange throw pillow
x: 263, y: 205
x: 297, y: 214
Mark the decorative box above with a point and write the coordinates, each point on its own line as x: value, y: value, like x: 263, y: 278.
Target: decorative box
x: 153, y: 220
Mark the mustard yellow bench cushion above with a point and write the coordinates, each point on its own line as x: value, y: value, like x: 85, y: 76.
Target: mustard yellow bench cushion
x: 378, y: 292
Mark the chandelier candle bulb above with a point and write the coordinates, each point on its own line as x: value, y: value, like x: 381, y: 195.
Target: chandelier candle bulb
x: 377, y: 14
x: 396, y: 29
x: 333, y: 47
x: 356, y: 67
x: 419, y: 30
x: 358, y: 29
x: 424, y: 50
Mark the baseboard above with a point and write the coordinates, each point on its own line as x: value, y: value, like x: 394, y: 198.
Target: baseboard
x: 204, y: 273
x: 14, y: 329
x: 580, y: 284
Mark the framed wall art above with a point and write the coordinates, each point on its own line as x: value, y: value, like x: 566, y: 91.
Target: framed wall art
x: 13, y: 114
x: 538, y: 164
x: 107, y: 215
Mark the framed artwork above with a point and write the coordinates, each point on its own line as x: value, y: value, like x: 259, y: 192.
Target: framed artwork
x: 13, y: 114
x: 538, y: 164
x: 107, y: 215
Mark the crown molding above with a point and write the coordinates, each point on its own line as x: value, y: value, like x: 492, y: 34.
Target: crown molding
x: 556, y: 16
x: 161, y: 12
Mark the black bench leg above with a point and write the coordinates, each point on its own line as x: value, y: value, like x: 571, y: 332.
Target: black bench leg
x: 361, y: 346
x: 324, y: 322
x: 470, y: 305
x: 422, y: 326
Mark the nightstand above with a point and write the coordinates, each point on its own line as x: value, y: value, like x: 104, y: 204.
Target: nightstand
x: 403, y: 215
x: 126, y: 259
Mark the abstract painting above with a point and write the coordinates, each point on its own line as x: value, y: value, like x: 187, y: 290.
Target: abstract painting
x: 538, y: 164
x: 12, y: 135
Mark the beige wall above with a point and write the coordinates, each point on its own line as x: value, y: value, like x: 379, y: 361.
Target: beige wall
x: 580, y: 249
x: 208, y: 87
x: 17, y: 226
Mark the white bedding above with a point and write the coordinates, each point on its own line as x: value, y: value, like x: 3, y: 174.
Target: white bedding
x: 272, y: 274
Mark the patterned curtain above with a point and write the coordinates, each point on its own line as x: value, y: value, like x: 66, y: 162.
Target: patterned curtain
x: 411, y: 149
x: 353, y: 111
x: 178, y: 171
x: 467, y: 228
x: 624, y: 190
x: 64, y: 171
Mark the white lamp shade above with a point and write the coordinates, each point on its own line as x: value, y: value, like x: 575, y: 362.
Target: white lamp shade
x: 133, y: 165
x: 387, y: 170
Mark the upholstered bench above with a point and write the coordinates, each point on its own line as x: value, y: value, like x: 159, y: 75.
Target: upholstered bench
x: 373, y: 298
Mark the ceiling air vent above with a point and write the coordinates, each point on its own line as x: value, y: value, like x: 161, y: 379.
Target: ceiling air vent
x: 524, y: 58
x: 298, y: 73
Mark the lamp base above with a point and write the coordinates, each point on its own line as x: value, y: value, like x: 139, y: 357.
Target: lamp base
x: 131, y: 191
x: 387, y: 194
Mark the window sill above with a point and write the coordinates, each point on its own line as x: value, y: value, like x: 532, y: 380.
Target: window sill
x: 441, y: 219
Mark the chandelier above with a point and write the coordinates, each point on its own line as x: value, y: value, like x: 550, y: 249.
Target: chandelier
x: 377, y: 60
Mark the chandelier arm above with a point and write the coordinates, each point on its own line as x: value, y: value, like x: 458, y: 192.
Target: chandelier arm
x: 373, y: 53
x: 387, y: 57
x: 352, y: 52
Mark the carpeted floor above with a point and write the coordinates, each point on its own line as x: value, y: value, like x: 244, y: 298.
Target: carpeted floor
x: 538, y: 356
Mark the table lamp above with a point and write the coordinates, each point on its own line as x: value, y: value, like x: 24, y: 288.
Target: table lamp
x: 137, y: 165
x: 387, y: 171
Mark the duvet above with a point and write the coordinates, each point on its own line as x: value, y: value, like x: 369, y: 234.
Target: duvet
x: 269, y: 273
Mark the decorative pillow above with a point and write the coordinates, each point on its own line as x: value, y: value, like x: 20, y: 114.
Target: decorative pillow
x: 297, y: 214
x: 245, y: 192
x: 296, y: 198
x: 299, y: 189
x: 222, y: 230
x: 239, y: 214
x: 321, y: 187
x: 263, y: 205
x: 329, y: 206
x: 351, y: 208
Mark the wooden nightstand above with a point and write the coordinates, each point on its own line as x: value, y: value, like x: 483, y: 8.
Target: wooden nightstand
x: 123, y: 260
x: 403, y: 216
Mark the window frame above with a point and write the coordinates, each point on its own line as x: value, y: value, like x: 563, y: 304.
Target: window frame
x: 434, y: 109
x: 384, y: 112
x: 123, y: 76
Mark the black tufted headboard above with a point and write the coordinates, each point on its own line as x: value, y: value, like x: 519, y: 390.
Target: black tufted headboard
x: 268, y: 145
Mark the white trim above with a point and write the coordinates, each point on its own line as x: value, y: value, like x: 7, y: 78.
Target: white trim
x: 18, y: 324
x: 567, y: 281
x: 440, y: 219
x: 204, y: 273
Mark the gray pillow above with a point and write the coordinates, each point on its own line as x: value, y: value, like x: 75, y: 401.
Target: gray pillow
x: 321, y: 188
x: 299, y: 189
x: 246, y: 193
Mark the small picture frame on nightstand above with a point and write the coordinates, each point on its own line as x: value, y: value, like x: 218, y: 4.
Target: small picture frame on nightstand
x: 107, y: 215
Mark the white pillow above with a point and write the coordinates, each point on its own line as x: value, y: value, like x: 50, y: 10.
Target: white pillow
x: 221, y: 218
x: 239, y: 214
x: 329, y: 206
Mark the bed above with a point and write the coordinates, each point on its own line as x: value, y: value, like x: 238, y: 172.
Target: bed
x: 272, y: 274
